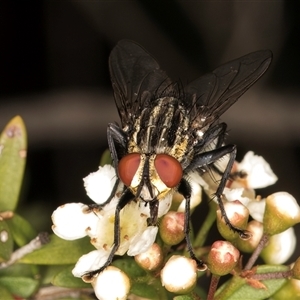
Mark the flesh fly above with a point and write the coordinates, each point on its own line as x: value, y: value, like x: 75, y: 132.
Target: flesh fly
x: 168, y: 131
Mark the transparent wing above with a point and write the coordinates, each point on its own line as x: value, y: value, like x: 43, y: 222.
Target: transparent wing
x: 212, y: 94
x: 136, y: 78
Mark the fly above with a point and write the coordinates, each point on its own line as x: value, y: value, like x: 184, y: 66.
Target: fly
x: 168, y: 131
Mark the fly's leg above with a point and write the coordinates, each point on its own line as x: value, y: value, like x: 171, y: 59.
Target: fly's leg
x: 117, y: 144
x: 209, y: 157
x: 124, y: 200
x: 242, y: 233
x: 186, y: 190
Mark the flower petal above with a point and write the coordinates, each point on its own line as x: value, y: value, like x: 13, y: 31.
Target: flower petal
x: 99, y: 184
x: 257, y: 209
x: 196, y: 182
x: 142, y: 242
x: 236, y: 194
x: 90, y: 262
x: 70, y: 222
x: 259, y: 172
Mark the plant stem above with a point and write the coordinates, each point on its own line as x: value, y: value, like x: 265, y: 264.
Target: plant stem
x: 261, y: 245
x: 207, y: 224
x: 213, y: 286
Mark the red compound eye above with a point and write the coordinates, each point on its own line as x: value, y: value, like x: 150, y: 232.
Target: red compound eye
x: 168, y: 169
x: 128, y: 166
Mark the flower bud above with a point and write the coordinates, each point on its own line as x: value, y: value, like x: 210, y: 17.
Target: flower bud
x: 179, y: 274
x: 222, y: 258
x: 256, y: 229
x: 111, y: 284
x: 282, y: 211
x: 237, y: 214
x: 280, y: 247
x: 296, y: 269
x: 171, y: 228
x: 151, y: 259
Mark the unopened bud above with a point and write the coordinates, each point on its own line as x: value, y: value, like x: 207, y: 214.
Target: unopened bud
x: 282, y: 212
x: 238, y: 216
x: 179, y: 274
x: 112, y: 283
x: 151, y: 259
x: 296, y: 269
x: 280, y: 247
x: 222, y: 258
x: 171, y: 228
x: 256, y: 229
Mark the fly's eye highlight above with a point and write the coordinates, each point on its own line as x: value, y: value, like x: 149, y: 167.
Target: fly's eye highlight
x: 128, y: 166
x: 169, y: 169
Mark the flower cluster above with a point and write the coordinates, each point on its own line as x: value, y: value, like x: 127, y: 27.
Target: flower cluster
x: 273, y: 216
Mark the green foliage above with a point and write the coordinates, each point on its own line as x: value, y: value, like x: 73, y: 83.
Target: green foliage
x: 13, y: 150
x: 21, y: 230
x: 6, y: 241
x: 65, y: 278
x: 59, y: 252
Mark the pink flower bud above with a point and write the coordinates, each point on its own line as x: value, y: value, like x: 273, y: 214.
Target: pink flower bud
x: 222, y: 258
x: 171, y: 228
x: 151, y: 259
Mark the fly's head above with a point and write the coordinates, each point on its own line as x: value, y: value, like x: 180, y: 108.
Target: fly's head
x: 150, y: 176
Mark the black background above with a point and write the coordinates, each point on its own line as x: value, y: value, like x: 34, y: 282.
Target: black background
x: 54, y: 73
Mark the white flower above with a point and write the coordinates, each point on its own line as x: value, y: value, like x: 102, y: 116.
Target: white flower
x: 280, y: 247
x: 259, y: 173
x: 179, y: 274
x: 76, y: 220
x: 111, y: 284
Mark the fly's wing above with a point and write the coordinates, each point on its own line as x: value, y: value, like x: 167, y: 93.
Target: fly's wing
x: 136, y: 78
x: 211, y: 95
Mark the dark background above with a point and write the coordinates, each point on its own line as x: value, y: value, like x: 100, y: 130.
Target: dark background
x: 54, y: 73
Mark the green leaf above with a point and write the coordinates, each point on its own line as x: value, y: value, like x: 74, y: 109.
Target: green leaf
x: 65, y: 278
x: 17, y: 269
x: 6, y: 241
x: 13, y: 148
x: 130, y: 267
x: 59, y: 252
x: 20, y: 286
x: 184, y: 297
x: 5, y: 294
x: 144, y: 290
x: 21, y: 230
x: 50, y: 271
x: 242, y: 290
